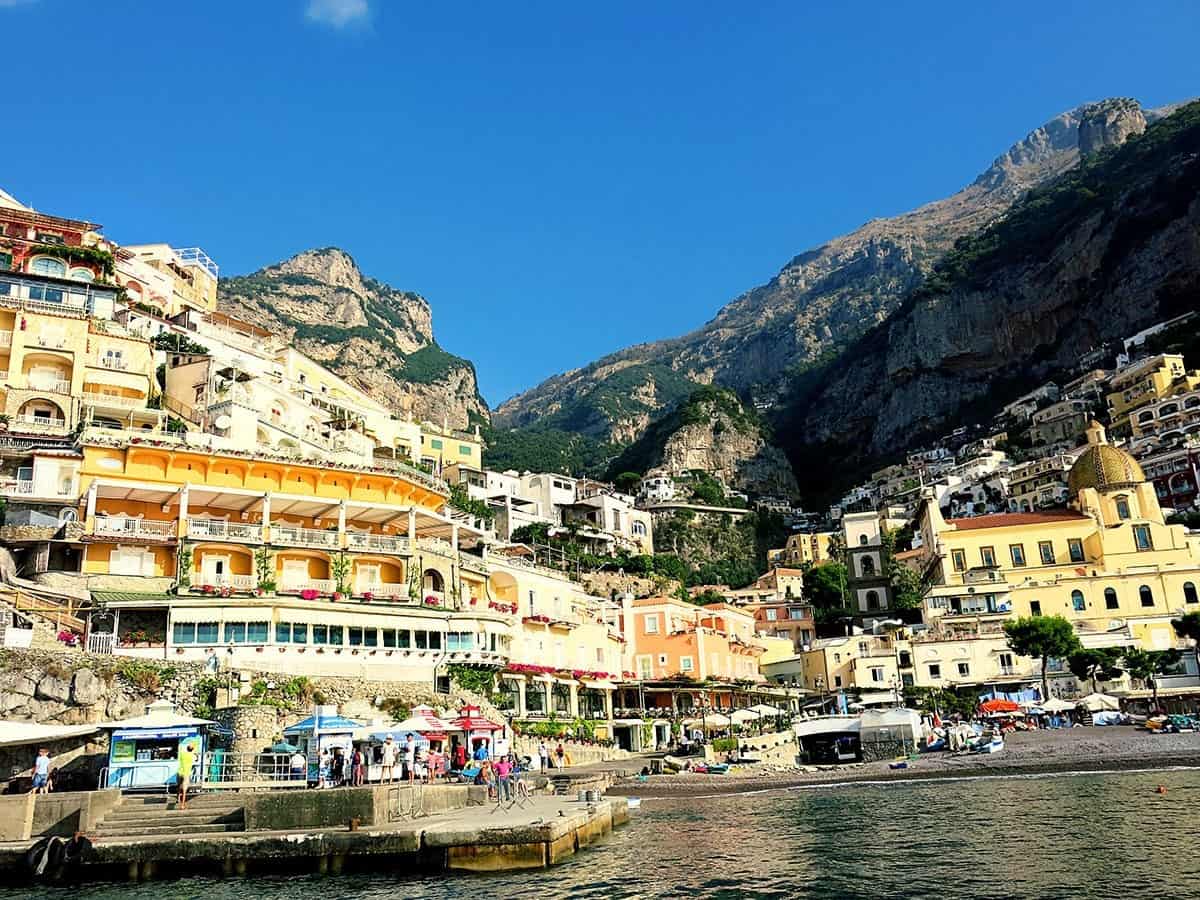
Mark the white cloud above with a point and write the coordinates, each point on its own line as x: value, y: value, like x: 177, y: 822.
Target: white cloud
x: 8, y: 4
x: 338, y: 13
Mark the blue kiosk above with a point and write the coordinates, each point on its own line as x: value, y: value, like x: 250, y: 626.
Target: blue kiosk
x: 143, y: 752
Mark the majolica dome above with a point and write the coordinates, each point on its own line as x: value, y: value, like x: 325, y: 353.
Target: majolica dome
x: 1103, y: 466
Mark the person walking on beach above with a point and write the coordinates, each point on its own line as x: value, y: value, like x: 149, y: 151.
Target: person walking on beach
x: 187, y: 762
x: 41, y: 772
x: 410, y: 757
x: 560, y: 756
x: 389, y: 759
x: 544, y: 755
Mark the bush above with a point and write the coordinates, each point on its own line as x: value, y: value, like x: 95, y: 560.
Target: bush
x: 725, y: 745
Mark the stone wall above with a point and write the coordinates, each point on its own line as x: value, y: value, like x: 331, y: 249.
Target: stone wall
x: 376, y: 805
x: 577, y: 753
x: 71, y: 688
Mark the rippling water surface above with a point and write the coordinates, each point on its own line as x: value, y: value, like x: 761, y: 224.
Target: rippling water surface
x: 1089, y: 836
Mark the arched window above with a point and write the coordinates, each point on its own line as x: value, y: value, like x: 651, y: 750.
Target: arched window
x: 639, y: 529
x: 1189, y: 592
x: 1077, y: 601
x: 48, y: 265
x: 1110, y: 599
x: 1123, y: 507
x: 872, y: 600
x: 867, y: 565
x: 1147, y: 595
x: 81, y: 274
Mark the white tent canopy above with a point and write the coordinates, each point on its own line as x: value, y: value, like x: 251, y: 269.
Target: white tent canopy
x: 765, y: 709
x: 1056, y: 705
x: 160, y: 714
x: 712, y: 720
x: 17, y: 734
x: 744, y: 716
x: 1098, y: 702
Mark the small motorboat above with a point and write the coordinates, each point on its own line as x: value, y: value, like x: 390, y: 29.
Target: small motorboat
x: 901, y: 764
x: 995, y: 745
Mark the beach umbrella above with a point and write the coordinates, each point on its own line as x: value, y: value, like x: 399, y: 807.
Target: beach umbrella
x: 1099, y: 702
x: 1056, y: 706
x: 998, y: 706
x: 744, y: 716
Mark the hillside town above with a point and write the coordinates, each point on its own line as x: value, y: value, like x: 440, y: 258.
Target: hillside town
x: 183, y: 488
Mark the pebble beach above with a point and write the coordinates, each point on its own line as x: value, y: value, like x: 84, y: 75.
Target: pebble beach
x: 1087, y: 749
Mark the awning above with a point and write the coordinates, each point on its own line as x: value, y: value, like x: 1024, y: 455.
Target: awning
x: 999, y: 706
x: 17, y: 734
x: 327, y: 724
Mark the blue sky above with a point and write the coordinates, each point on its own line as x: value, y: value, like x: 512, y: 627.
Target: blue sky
x: 559, y: 179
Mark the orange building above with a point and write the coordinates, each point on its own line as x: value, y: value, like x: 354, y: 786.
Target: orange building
x: 674, y: 638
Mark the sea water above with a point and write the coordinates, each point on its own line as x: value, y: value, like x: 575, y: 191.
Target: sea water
x: 1067, y: 836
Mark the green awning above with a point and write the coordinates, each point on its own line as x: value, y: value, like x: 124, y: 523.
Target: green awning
x: 107, y: 597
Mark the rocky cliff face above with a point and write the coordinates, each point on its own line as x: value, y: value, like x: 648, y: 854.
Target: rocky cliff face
x: 371, y: 334
x: 713, y: 432
x: 1105, y: 250
x: 818, y: 302
x: 1109, y: 124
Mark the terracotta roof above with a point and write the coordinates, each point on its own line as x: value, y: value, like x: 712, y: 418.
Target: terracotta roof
x: 1008, y: 520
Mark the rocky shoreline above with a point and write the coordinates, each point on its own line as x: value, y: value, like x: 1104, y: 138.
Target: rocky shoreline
x: 1035, y: 753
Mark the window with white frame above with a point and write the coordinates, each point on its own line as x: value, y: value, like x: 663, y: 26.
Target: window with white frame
x: 685, y: 664
x: 652, y: 623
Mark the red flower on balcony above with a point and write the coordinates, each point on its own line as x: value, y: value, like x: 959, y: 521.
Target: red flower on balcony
x: 368, y: 595
x: 309, y: 594
x: 542, y: 620
x: 208, y: 589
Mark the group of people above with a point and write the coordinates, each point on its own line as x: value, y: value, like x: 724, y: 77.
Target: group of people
x: 338, y: 767
x: 503, y: 777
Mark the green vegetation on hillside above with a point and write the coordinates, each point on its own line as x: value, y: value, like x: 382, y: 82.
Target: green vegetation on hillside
x: 702, y: 406
x: 614, y: 398
x: 430, y: 364
x: 541, y: 449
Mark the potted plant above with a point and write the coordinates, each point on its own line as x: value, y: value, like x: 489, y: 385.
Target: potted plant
x: 309, y: 594
x: 336, y: 596
x: 368, y: 596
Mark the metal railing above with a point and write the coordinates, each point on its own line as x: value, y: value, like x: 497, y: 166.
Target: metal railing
x: 6, y: 338
x: 128, y: 526
x: 228, y: 580
x: 320, y: 585
x: 51, y: 385
x: 222, y: 530
x: 295, y: 536
x: 382, y: 589
x: 386, y: 543
x: 112, y: 362
x: 225, y: 769
x: 26, y: 420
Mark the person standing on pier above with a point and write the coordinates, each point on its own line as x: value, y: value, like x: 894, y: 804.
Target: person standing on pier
x: 544, y: 755
x: 504, y: 779
x: 187, y: 761
x: 460, y: 756
x: 410, y: 757
x: 389, y: 760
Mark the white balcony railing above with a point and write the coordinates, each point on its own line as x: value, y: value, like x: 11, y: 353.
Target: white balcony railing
x: 130, y: 527
x: 114, y: 362
x: 382, y: 590
x: 6, y: 338
x: 294, y: 536
x: 383, y: 543
x: 52, y: 385
x: 297, y: 585
x: 19, y: 488
x: 219, y: 529
x: 94, y: 398
x: 27, y: 488
x: 228, y: 580
x: 28, y: 422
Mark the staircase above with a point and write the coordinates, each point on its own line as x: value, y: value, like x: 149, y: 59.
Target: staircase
x: 141, y: 816
x: 562, y: 785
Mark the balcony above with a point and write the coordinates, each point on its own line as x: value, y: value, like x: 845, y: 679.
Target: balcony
x: 220, y: 530
x: 26, y: 488
x: 129, y: 528
x: 472, y: 563
x: 299, y: 585
x: 37, y: 424
x: 6, y: 338
x: 294, y: 536
x: 115, y: 362
x: 379, y: 543
x: 242, y: 583
x: 92, y: 398
x: 50, y: 385
x: 383, y: 590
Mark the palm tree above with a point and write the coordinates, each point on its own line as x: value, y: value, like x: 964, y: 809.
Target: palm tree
x: 1188, y: 626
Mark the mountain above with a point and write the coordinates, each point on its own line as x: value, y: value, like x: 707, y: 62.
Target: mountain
x: 376, y: 337
x: 712, y: 431
x: 1101, y: 252
x: 817, y: 304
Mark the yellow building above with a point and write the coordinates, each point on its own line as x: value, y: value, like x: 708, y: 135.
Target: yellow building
x: 192, y: 276
x: 60, y: 365
x: 442, y: 446
x: 1109, y: 563
x: 859, y: 662
x: 814, y: 548
x: 1146, y: 382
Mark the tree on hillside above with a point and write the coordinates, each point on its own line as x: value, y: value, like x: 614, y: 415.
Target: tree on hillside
x: 1189, y: 627
x: 1042, y: 637
x: 1147, y: 665
x: 627, y: 482
x: 825, y: 586
x: 1096, y: 665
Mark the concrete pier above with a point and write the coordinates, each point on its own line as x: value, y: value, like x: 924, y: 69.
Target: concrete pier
x: 479, y: 838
